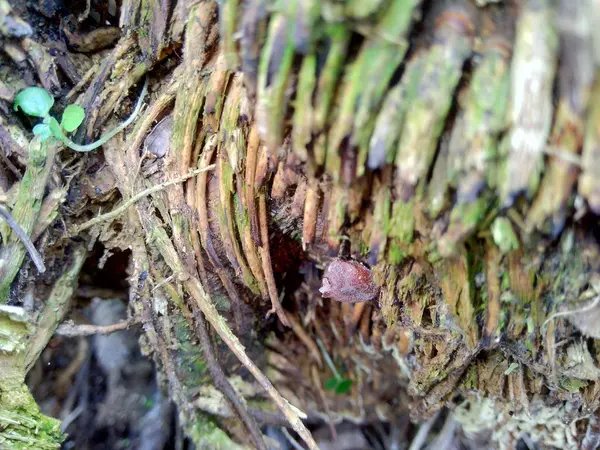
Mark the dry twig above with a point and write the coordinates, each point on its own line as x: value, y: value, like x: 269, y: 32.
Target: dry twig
x: 35, y: 256
x: 123, y: 207
x: 222, y: 383
x: 70, y: 329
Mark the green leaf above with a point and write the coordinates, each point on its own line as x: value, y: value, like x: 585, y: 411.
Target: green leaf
x: 331, y: 384
x: 344, y: 386
x: 42, y: 130
x: 54, y: 128
x: 72, y: 117
x: 34, y: 101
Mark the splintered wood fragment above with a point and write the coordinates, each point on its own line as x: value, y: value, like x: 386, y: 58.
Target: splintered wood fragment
x: 530, y: 113
x: 215, y: 96
x: 492, y: 276
x: 201, y: 188
x: 311, y: 210
x: 230, y: 153
x: 440, y: 74
x: 265, y: 255
x: 254, y: 262
x: 365, y: 325
x: 365, y: 82
x: 299, y: 198
x: 191, y: 198
x: 44, y: 64
x: 338, y: 205
x: 589, y: 180
x: 227, y: 226
x: 200, y: 34
x: 484, y: 101
x: 383, y: 54
x: 437, y: 187
x: 275, y: 67
x: 249, y: 214
x: 250, y: 178
x: 49, y: 211
x: 392, y: 115
x: 576, y: 77
x: 279, y: 184
x: 204, y: 231
x: 228, y: 16
x: 188, y: 104
x: 25, y: 212
x: 177, y: 161
x: 253, y: 28
x: 153, y: 113
x: 388, y: 298
x: 303, y: 111
x: 266, y: 163
x: 456, y: 283
x: 339, y: 36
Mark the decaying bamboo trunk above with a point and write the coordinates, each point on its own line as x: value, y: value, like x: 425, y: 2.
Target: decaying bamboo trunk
x: 439, y: 158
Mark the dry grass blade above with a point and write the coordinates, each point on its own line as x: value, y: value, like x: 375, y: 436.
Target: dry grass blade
x: 122, y: 208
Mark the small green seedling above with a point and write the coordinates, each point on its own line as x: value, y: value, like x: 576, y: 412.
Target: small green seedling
x: 339, y: 385
x: 337, y: 382
x: 37, y: 102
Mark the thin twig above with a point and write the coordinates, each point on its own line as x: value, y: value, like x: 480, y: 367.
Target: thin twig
x: 69, y: 329
x: 222, y: 383
x: 586, y: 308
x: 293, y: 442
x: 123, y: 207
x: 423, y: 433
x: 35, y: 256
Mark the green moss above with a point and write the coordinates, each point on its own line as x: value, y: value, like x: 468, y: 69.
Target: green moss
x: 22, y: 426
x: 206, y: 434
x: 504, y: 236
x: 573, y: 385
x: 395, y: 253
